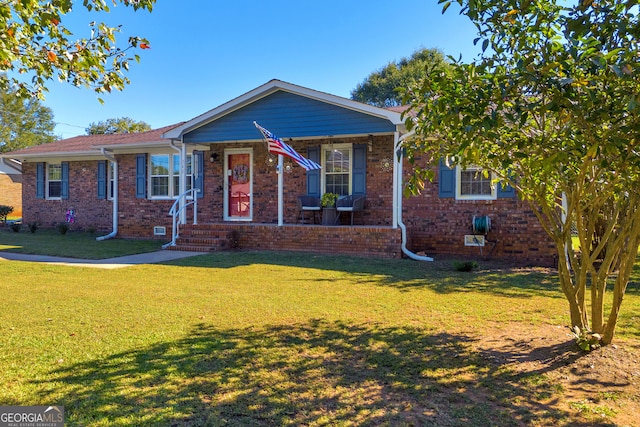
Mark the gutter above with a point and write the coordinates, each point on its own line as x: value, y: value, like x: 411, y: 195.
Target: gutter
x: 15, y: 166
x: 398, y: 152
x: 115, y: 195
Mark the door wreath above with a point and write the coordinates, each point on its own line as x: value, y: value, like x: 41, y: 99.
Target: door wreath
x: 241, y: 174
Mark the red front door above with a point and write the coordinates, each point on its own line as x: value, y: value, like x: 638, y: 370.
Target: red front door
x: 238, y: 197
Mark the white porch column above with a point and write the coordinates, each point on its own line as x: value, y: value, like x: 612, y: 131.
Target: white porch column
x: 183, y: 182
x: 397, y: 192
x: 280, y: 190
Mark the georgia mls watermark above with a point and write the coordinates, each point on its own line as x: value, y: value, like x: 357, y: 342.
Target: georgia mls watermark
x: 31, y: 416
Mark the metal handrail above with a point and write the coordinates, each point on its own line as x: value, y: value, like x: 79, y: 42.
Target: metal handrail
x: 175, y: 211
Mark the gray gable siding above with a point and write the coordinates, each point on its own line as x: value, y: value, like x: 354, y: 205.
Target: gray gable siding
x: 289, y: 116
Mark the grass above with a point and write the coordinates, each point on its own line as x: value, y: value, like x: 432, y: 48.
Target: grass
x: 274, y: 339
x: 72, y: 244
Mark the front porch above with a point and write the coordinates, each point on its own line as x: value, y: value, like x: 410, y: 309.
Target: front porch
x: 374, y: 241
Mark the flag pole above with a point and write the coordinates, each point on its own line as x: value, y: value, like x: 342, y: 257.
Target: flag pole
x: 280, y: 190
x: 277, y: 146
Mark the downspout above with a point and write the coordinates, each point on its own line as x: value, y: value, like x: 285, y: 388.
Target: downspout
x: 182, y: 179
x: 115, y: 195
x: 399, y: 158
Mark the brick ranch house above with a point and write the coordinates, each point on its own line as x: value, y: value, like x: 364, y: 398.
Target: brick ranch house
x: 11, y: 185
x: 125, y: 185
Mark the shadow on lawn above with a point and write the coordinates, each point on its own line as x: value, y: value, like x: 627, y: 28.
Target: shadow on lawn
x: 317, y: 373
x: 402, y: 274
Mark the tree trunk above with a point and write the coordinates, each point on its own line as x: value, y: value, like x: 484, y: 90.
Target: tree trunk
x: 573, y: 292
x: 598, y: 286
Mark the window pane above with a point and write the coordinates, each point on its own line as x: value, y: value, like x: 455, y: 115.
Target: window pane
x: 338, y: 183
x: 189, y: 164
x: 55, y: 172
x: 160, y: 186
x: 55, y: 189
x: 176, y: 185
x: 160, y: 164
x: 474, y: 183
x: 337, y: 160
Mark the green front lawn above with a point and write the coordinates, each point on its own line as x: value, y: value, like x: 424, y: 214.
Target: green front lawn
x: 278, y: 339
x: 72, y: 244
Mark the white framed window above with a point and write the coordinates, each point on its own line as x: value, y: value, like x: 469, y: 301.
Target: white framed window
x: 164, y: 175
x: 337, y: 168
x: 54, y: 181
x: 473, y: 183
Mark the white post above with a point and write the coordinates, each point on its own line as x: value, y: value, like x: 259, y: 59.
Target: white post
x: 397, y: 192
x: 280, y: 190
x: 183, y: 182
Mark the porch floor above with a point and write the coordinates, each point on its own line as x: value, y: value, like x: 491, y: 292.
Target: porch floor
x: 362, y: 240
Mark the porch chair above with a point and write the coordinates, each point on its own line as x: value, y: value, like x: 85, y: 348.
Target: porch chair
x: 350, y: 204
x: 309, y: 204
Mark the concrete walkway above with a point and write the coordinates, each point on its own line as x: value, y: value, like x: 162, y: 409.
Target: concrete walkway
x: 109, y: 263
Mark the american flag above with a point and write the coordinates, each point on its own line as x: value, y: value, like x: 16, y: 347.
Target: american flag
x: 278, y: 146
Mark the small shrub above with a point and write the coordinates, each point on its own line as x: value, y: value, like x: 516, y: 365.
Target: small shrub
x: 15, y: 227
x: 63, y: 227
x: 465, y: 265
x: 586, y: 339
x: 4, y: 212
x: 33, y: 227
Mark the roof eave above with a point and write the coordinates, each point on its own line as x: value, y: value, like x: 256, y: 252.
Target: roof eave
x: 58, y: 154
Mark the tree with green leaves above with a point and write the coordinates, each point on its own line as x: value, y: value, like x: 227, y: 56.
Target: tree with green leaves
x: 119, y: 125
x: 36, y: 46
x: 23, y: 122
x: 380, y: 88
x: 552, y: 108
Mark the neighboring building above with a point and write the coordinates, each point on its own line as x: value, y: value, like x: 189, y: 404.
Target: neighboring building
x: 11, y: 185
x: 222, y: 154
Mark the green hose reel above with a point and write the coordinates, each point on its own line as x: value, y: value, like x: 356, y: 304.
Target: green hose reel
x: 481, y: 224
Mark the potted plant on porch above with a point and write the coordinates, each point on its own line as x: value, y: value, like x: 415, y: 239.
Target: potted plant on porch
x: 328, y: 202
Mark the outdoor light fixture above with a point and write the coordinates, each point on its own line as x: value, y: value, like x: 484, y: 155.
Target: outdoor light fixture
x: 213, y: 157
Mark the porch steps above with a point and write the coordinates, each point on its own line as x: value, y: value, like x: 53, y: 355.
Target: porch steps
x: 203, y: 239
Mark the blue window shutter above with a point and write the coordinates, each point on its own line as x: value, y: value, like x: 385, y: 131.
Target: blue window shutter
x: 359, y: 170
x: 102, y: 179
x: 64, y: 190
x: 199, y: 181
x: 506, y: 191
x: 446, y: 181
x: 40, y: 181
x: 141, y: 176
x: 313, y: 176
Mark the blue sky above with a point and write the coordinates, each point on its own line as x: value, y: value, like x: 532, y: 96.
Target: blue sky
x: 204, y: 53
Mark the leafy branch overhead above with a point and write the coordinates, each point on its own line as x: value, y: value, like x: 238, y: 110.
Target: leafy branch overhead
x: 36, y: 47
x: 552, y: 107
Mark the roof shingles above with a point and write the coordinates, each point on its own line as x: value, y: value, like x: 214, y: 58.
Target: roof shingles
x: 90, y: 144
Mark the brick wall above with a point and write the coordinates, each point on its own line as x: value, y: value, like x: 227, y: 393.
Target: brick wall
x: 91, y: 212
x: 438, y: 226
x: 381, y: 242
x: 265, y: 183
x: 138, y: 217
x: 11, y: 192
x: 435, y: 226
